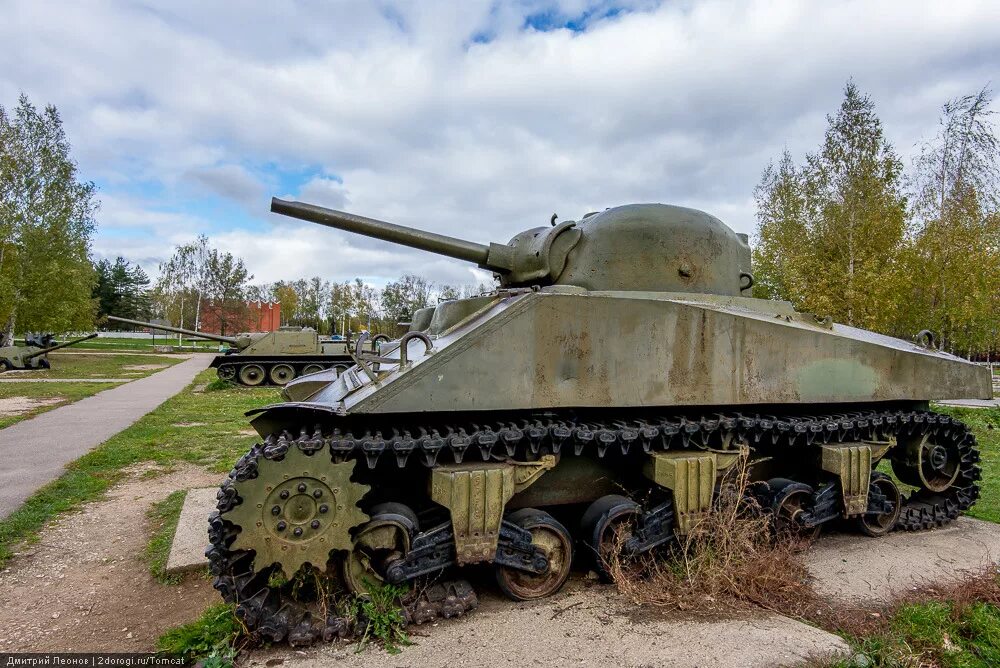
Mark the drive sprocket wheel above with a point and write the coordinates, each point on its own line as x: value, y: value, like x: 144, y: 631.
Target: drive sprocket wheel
x: 942, y: 462
x: 283, y: 526
x: 297, y: 510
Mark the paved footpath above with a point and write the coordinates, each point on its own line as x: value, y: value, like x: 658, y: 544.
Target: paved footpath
x: 34, y: 452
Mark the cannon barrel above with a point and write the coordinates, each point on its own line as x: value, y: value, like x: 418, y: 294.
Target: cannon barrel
x: 441, y: 244
x: 177, y: 330
x: 59, y: 345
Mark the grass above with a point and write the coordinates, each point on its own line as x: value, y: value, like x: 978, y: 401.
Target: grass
x: 66, y: 393
x: 163, y: 517
x: 76, y: 365
x: 214, y: 442
x: 121, y: 343
x: 212, y: 639
x: 381, y: 614
x: 955, y: 626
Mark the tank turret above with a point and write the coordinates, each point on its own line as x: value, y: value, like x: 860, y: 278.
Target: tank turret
x: 639, y: 247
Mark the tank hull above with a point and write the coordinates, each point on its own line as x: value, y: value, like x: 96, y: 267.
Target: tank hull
x: 581, y: 349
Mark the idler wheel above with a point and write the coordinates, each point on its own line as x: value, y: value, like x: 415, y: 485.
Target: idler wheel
x: 557, y: 544
x: 789, y: 501
x: 605, y: 526
x: 382, y: 540
x: 882, y: 523
x: 252, y: 375
x: 311, y: 368
x: 928, y: 465
x: 226, y: 372
x: 281, y: 374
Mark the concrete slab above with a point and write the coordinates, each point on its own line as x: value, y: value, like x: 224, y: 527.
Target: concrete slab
x: 972, y: 403
x: 850, y: 567
x: 187, y: 552
x: 584, y: 625
x: 35, y: 452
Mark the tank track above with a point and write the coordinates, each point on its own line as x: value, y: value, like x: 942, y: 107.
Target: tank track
x: 277, y: 617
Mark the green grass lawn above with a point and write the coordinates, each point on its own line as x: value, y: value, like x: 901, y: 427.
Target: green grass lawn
x: 59, y: 394
x: 101, y: 366
x: 53, y: 395
x: 207, y: 428
x: 107, y: 342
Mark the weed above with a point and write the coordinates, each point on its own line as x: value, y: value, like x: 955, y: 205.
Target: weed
x: 213, y: 638
x: 163, y: 517
x: 728, y: 557
x: 217, y: 385
x: 381, y: 614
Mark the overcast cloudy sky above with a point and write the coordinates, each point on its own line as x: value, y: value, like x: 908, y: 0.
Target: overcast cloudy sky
x: 475, y: 118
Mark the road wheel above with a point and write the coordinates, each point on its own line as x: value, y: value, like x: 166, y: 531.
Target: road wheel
x: 883, y: 523
x: 312, y: 368
x: 252, y: 375
x: 606, y: 524
x: 923, y: 462
x: 383, y: 539
x: 790, y: 500
x: 281, y: 373
x: 554, y: 540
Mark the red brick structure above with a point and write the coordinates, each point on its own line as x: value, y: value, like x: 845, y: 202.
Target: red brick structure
x: 261, y: 317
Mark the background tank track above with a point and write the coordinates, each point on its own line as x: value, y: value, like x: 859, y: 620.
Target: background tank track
x: 234, y: 363
x: 270, y: 611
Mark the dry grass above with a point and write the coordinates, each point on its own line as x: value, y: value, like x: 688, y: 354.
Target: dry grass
x: 729, y: 558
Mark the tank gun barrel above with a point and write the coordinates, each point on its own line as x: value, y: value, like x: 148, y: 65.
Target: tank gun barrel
x: 441, y: 244
x: 177, y: 330
x: 58, y: 346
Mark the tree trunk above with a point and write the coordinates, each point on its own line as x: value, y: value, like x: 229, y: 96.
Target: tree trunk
x: 7, y: 335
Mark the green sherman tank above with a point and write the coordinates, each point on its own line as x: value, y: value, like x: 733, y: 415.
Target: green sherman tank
x: 275, y: 358
x: 616, y: 375
x: 32, y: 355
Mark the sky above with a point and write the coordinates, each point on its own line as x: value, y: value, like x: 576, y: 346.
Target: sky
x: 476, y: 119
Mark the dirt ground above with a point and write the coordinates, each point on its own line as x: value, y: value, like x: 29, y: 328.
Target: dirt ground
x: 585, y: 624
x: 11, y: 406
x: 84, y: 585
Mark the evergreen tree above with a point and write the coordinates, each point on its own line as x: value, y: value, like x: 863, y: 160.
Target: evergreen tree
x: 46, y: 224
x: 122, y: 289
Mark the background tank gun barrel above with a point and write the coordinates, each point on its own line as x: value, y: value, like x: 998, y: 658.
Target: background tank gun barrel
x: 178, y: 330
x: 441, y: 244
x: 58, y: 346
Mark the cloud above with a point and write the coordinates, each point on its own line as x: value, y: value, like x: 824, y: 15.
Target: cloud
x: 231, y: 182
x: 474, y: 119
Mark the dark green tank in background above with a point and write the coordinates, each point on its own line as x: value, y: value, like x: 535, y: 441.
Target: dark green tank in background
x: 275, y: 358
x: 614, y: 378
x: 33, y: 355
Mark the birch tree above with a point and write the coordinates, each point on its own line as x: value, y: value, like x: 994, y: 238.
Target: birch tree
x: 47, y: 219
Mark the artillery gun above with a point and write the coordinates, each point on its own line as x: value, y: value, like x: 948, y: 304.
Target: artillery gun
x: 31, y: 356
x: 618, y: 375
x: 261, y: 358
